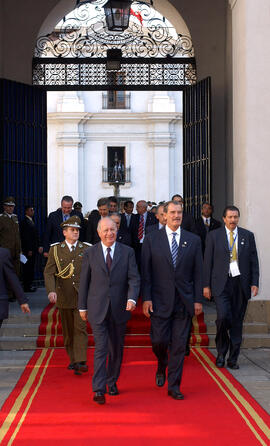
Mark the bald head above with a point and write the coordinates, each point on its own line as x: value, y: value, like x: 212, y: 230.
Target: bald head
x: 141, y: 207
x: 107, y: 231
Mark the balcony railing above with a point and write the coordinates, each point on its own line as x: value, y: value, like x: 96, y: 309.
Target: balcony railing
x: 114, y: 175
x: 114, y: 100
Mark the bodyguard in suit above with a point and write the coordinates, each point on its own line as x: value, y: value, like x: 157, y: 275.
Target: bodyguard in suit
x: 206, y: 223
x: 30, y: 247
x: 172, y: 293
x: 123, y: 236
x: 93, y: 219
x: 53, y: 232
x: 141, y: 221
x: 160, y: 220
x: 127, y: 217
x: 62, y: 276
x: 9, y: 279
x: 231, y: 276
x: 109, y: 289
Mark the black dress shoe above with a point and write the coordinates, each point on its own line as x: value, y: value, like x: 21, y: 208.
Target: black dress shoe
x: 99, y: 398
x: 220, y: 361
x: 113, y: 390
x: 176, y: 395
x: 80, y: 367
x: 160, y: 378
x: 70, y: 366
x: 232, y: 365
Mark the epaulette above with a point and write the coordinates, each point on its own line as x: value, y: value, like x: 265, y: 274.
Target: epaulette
x: 87, y: 244
x: 53, y: 244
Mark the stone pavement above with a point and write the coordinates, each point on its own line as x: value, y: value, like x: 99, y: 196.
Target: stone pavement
x: 254, y: 372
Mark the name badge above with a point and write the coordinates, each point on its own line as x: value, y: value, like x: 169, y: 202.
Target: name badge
x: 234, y: 270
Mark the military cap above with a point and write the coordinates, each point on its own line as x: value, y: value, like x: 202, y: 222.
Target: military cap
x: 77, y: 205
x: 9, y: 201
x: 72, y: 222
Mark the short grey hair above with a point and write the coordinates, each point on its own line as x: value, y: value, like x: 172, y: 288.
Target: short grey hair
x: 166, y: 205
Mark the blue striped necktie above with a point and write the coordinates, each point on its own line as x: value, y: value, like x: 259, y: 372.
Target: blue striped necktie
x: 174, y: 249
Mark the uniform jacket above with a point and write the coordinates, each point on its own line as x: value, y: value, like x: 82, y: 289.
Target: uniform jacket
x: 54, y: 232
x: 217, y: 261
x: 99, y: 288
x: 160, y: 279
x: 66, y: 289
x: 10, y: 234
x: 9, y: 278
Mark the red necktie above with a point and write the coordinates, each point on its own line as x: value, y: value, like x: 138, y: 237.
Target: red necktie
x: 141, y: 228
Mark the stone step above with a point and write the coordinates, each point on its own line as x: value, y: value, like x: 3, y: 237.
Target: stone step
x: 249, y: 328
x: 18, y: 343
x: 249, y: 341
x: 15, y: 329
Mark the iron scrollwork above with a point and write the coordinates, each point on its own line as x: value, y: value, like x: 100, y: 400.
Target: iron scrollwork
x: 84, y: 34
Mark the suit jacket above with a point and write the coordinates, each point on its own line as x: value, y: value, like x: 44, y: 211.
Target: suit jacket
x: 54, y: 232
x: 134, y: 227
x: 9, y: 278
x: 188, y: 223
x: 202, y: 231
x: 123, y: 224
x: 217, y: 261
x: 99, y: 288
x: 124, y: 237
x: 151, y: 228
x: 91, y: 229
x: 29, y: 236
x: 160, y: 279
x: 66, y: 289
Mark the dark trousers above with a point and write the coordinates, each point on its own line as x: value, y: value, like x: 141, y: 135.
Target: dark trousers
x: 109, y: 343
x: 28, y: 272
x: 169, y: 335
x: 231, y: 308
x: 75, y: 334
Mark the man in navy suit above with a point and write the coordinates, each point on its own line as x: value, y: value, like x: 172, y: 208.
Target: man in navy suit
x: 138, y: 226
x: 231, y: 276
x: 172, y: 293
x: 109, y: 288
x: 160, y: 220
x: 206, y: 223
x: 53, y: 232
x: 128, y: 216
x: 8, y: 278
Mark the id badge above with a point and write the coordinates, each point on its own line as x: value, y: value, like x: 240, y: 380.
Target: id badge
x: 234, y: 270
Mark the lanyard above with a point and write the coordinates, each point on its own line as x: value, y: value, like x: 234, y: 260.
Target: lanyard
x: 231, y: 247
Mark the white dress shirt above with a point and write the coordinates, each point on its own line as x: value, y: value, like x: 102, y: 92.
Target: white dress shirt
x: 170, y: 232
x: 70, y: 245
x: 235, y: 236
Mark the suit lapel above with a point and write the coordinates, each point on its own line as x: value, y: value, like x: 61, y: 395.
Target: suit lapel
x: 100, y: 257
x: 241, y: 241
x: 164, y: 242
x: 225, y: 240
x: 116, y: 256
x: 183, y: 245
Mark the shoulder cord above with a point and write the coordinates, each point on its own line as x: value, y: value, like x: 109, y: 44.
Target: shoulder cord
x: 69, y: 267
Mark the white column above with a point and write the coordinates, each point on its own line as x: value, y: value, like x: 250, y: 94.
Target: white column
x: 251, y: 124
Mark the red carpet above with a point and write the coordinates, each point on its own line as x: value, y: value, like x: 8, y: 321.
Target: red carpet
x: 51, y: 406
x: 50, y: 330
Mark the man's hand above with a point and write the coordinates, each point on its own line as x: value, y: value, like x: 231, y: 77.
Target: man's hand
x: 46, y: 254
x: 207, y: 293
x: 40, y: 250
x: 25, y: 308
x: 30, y: 253
x: 52, y: 297
x: 84, y: 315
x: 147, y: 308
x: 197, y: 309
x: 254, y: 291
x: 130, y: 306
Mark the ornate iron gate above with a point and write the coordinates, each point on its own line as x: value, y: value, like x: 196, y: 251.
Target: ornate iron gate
x: 197, y: 145
x: 23, y: 147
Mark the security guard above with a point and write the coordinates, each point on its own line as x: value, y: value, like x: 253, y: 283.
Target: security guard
x: 62, y: 277
x: 10, y: 233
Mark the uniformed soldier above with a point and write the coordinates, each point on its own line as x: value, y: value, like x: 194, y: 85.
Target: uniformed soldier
x: 62, y: 277
x: 10, y: 233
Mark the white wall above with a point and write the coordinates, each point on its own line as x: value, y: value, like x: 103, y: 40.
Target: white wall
x: 79, y: 132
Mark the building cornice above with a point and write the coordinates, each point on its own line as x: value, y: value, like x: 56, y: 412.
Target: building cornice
x: 102, y: 117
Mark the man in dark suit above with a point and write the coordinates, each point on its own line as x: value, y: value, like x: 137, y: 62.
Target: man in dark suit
x: 206, y: 223
x: 188, y: 222
x: 53, y: 232
x: 93, y: 219
x: 231, y: 276
x: 123, y: 236
x: 141, y: 221
x: 128, y: 216
x: 109, y: 288
x: 172, y: 293
x: 9, y: 279
x: 30, y: 247
x: 160, y: 220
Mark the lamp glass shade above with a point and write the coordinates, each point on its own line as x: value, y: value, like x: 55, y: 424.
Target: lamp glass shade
x: 117, y: 14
